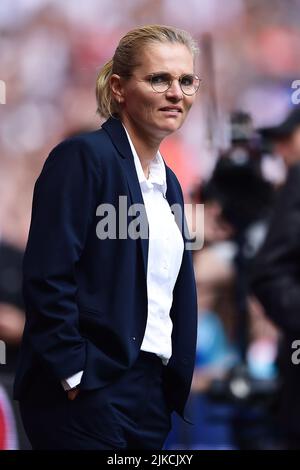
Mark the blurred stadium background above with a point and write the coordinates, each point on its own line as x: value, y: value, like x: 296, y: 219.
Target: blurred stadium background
x: 50, y: 53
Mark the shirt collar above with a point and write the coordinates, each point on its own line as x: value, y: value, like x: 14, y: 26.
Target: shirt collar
x: 157, y: 170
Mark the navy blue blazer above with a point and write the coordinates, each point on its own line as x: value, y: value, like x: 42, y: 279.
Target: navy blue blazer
x: 86, y: 298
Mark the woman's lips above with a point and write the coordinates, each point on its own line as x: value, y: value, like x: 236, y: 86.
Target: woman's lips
x: 171, y: 109
x: 171, y: 112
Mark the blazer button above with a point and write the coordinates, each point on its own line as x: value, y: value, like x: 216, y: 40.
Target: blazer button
x: 185, y: 361
x: 133, y: 338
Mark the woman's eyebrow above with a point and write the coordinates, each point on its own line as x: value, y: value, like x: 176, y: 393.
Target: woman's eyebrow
x: 159, y: 72
x: 162, y: 72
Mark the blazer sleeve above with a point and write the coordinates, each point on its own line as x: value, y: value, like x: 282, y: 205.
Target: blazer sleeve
x: 275, y: 276
x: 64, y: 203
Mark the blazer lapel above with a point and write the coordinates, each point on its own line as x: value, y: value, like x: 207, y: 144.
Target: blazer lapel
x: 116, y: 131
x: 174, y: 198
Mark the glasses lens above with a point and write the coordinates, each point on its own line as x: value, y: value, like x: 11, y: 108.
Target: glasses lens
x: 189, y: 84
x: 160, y: 82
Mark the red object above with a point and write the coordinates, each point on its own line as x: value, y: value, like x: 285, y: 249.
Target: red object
x: 8, y: 436
x: 182, y: 161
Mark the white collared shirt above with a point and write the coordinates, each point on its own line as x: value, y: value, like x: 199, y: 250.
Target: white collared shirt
x: 164, y: 256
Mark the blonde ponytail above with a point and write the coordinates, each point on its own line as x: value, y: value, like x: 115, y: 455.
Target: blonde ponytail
x: 105, y: 102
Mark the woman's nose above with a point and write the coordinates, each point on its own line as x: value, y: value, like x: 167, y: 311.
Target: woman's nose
x: 174, y: 90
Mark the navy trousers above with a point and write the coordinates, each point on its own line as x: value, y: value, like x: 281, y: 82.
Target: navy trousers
x: 130, y: 413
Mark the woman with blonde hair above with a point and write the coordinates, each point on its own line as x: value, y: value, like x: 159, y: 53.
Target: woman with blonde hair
x: 109, y: 342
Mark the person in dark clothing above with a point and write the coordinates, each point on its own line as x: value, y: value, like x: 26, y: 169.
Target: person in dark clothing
x: 275, y: 276
x: 12, y: 318
x: 11, y: 301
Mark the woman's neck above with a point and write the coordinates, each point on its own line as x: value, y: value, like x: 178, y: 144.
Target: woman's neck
x: 146, y: 146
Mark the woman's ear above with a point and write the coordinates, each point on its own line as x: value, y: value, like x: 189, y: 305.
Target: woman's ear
x: 116, y: 88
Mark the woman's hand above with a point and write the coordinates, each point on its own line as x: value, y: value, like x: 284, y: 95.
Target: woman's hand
x: 72, y: 394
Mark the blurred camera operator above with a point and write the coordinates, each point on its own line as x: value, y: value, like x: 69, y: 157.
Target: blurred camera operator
x: 276, y: 271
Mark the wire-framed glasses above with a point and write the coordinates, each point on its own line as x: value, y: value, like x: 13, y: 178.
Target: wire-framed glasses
x: 161, y: 82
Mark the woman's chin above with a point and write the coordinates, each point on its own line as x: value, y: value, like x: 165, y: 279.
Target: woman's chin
x: 169, y: 127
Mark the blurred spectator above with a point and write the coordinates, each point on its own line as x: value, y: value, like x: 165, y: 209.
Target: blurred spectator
x: 276, y: 271
x: 237, y: 344
x: 11, y: 329
x: 11, y: 301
